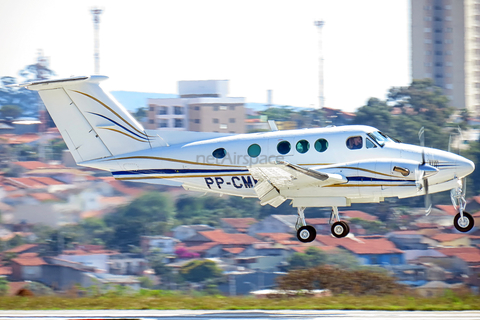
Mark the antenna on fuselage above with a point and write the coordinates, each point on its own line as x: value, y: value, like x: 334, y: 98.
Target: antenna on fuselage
x: 272, y: 125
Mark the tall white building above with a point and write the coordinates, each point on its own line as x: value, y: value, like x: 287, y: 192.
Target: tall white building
x: 446, y: 48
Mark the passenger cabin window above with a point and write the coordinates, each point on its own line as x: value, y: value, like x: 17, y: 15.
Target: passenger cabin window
x: 354, y: 143
x: 283, y: 147
x: 303, y: 146
x: 321, y: 145
x: 254, y: 150
x: 370, y: 144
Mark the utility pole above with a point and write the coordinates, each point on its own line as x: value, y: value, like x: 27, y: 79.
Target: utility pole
x: 319, y: 24
x: 96, y: 12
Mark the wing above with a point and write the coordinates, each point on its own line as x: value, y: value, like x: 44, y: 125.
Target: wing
x: 283, y: 175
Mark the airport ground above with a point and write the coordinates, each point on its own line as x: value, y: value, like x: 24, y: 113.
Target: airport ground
x: 449, y: 302
x: 232, y: 315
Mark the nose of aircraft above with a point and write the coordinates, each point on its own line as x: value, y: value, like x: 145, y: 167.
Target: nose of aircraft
x: 464, y: 166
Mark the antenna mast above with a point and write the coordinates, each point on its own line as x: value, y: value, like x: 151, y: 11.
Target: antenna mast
x: 96, y: 12
x: 319, y: 24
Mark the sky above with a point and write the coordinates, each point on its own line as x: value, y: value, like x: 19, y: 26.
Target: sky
x: 149, y: 46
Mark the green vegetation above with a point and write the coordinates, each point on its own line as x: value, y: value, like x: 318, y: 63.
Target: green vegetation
x: 157, y: 300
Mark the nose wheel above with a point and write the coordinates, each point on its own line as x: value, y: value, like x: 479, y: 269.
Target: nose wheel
x: 465, y: 223
x: 340, y: 229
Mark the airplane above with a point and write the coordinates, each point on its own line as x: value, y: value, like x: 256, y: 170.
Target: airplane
x: 320, y: 167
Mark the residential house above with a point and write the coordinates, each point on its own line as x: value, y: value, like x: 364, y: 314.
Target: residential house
x: 236, y: 225
x: 452, y: 240
x: 274, y: 224
x: 27, y: 267
x: 370, y: 250
x: 24, y: 248
x: 410, y: 240
x: 127, y: 264
x: 184, y: 232
x: 165, y: 244
x: 96, y: 258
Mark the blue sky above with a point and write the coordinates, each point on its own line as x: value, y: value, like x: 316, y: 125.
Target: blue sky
x: 258, y: 45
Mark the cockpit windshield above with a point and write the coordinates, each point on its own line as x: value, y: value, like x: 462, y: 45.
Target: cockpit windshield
x: 380, y: 138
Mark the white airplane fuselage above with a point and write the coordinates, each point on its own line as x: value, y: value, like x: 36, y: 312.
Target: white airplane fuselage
x: 369, y: 171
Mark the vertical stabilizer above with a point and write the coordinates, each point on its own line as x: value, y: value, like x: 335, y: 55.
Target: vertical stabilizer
x: 92, y: 123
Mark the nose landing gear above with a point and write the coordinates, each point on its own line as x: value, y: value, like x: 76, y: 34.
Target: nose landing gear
x: 463, y: 221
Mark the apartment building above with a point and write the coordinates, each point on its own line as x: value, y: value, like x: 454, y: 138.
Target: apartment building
x: 445, y: 37
x: 202, y: 106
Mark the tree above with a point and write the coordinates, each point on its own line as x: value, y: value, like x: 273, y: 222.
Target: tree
x: 10, y: 111
x: 312, y: 257
x: 150, y: 214
x: 140, y: 113
x: 3, y: 286
x: 200, y: 270
x: 338, y: 281
x: 376, y: 113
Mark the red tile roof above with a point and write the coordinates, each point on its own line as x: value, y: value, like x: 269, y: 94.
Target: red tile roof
x: 29, y: 261
x: 276, y: 236
x: 130, y: 191
x: 370, y: 246
x: 47, y: 181
x: 228, y: 238
x: 447, y: 208
x: 33, y: 165
x: 467, y: 254
x: 317, y: 221
x: 234, y: 250
x: 448, y: 236
x: 5, y: 271
x: 22, y: 248
x: 357, y: 214
x: 25, y: 183
x: 360, y: 245
x: 19, y: 138
x: 241, y: 224
x: 203, y: 247
x: 43, y: 196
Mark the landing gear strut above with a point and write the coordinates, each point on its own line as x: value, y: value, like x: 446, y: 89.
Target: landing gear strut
x: 339, y: 228
x: 304, y: 233
x: 463, y: 221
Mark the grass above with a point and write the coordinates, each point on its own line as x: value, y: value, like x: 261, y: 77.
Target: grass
x: 186, y: 302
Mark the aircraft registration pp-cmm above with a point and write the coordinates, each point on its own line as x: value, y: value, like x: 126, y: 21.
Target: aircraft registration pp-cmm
x: 322, y: 167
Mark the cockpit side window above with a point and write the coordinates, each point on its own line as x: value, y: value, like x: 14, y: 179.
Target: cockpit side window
x: 370, y: 144
x: 380, y: 138
x: 354, y: 143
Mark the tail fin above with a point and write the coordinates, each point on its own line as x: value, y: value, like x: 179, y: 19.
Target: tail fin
x: 90, y: 121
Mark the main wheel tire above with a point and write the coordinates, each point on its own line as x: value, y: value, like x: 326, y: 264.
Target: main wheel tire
x: 340, y: 229
x: 465, y: 225
x: 306, y: 234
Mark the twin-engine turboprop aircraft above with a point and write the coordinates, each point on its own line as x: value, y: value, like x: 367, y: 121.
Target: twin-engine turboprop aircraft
x: 324, y: 167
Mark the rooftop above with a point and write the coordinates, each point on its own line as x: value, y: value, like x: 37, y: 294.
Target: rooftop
x: 357, y: 214
x: 228, y: 238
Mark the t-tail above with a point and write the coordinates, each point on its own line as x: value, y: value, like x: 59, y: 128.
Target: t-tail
x: 92, y: 123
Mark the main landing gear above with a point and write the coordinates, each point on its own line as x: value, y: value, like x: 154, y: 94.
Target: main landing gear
x: 463, y: 221
x: 307, y: 233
